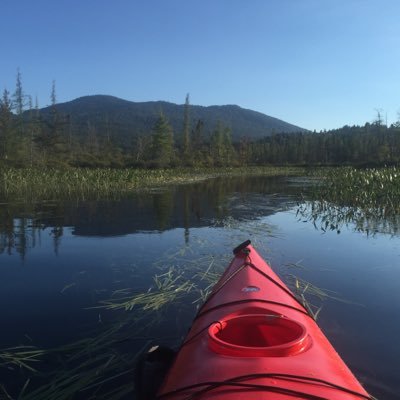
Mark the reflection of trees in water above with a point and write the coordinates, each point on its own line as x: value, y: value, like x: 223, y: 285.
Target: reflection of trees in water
x: 328, y: 216
x: 163, y: 204
x: 185, y: 206
x: 21, y: 226
x: 17, y: 236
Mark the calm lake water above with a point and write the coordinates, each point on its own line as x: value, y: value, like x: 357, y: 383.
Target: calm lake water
x: 59, y: 259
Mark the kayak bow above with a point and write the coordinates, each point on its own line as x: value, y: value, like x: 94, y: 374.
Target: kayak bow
x: 252, y: 339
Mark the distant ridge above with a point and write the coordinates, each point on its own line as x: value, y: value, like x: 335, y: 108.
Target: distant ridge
x: 126, y: 119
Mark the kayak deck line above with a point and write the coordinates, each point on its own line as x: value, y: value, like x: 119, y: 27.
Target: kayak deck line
x: 244, y: 251
x: 236, y: 302
x: 237, y: 382
x: 251, y: 340
x: 251, y: 265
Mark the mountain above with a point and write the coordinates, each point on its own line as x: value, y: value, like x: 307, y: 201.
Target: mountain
x: 108, y: 115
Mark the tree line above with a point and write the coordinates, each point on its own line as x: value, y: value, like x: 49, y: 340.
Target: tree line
x: 28, y: 139
x: 373, y: 144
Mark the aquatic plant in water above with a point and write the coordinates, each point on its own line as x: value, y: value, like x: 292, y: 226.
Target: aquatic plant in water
x: 82, y: 183
x: 102, y: 364
x: 367, y: 198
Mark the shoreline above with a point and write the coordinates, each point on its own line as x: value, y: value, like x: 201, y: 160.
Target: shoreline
x: 78, y: 182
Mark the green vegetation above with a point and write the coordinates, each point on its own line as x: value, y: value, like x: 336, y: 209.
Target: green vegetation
x: 168, y: 287
x: 40, y: 159
x: 40, y: 183
x: 53, y: 138
x: 20, y: 357
x: 366, y: 197
x: 371, y: 189
x: 82, y: 367
x: 311, y: 296
x: 373, y: 144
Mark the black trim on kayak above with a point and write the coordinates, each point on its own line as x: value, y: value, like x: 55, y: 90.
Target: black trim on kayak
x: 237, y: 382
x: 214, y: 292
x: 231, y: 303
x: 197, y: 334
x: 265, y: 275
x: 241, y: 246
x: 282, y: 287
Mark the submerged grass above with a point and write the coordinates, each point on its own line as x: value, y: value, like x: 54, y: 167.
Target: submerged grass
x: 102, y: 364
x: 169, y: 287
x: 310, y: 295
x: 21, y: 357
x: 94, y: 367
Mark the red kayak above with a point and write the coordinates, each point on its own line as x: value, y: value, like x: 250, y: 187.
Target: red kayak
x: 252, y: 339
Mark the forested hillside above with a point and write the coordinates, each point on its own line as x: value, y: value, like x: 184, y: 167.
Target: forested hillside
x: 63, y: 135
x: 126, y: 120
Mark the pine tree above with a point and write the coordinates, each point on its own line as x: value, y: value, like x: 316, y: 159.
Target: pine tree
x: 19, y: 104
x: 162, y: 146
x: 186, y: 129
x: 197, y: 135
x: 18, y: 95
x: 31, y: 130
x: 51, y: 140
x: 197, y: 141
x: 53, y: 99
x: 6, y: 125
x: 222, y: 150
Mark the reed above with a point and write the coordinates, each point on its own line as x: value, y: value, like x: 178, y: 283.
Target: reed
x: 313, y: 297
x: 22, y: 357
x: 98, y: 366
x: 168, y: 288
x: 367, y: 199
x: 373, y: 189
x: 31, y: 183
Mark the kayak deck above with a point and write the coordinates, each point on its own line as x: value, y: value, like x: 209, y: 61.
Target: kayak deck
x: 252, y: 339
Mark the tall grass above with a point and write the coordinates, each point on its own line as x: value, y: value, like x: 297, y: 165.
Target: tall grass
x: 374, y: 189
x: 29, y: 183
x: 367, y: 198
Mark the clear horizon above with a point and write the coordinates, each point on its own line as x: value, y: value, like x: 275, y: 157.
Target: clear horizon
x: 318, y: 65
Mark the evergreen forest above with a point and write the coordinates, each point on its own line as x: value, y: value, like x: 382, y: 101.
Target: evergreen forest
x: 30, y: 139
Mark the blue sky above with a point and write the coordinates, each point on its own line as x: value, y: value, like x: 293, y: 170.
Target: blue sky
x: 319, y: 64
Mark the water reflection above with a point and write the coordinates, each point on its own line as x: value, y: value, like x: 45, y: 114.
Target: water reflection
x: 327, y: 216
x: 78, y: 253
x: 188, y: 206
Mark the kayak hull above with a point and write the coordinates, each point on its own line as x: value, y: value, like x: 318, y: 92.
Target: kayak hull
x: 252, y: 339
